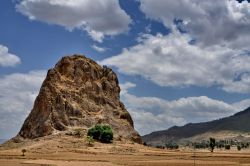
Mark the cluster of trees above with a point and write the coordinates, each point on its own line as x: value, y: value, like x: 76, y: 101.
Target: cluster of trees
x: 212, y: 143
x: 169, y: 145
x: 172, y: 146
x: 242, y: 145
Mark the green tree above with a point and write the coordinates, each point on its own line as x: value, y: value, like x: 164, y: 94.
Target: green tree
x: 24, y: 151
x: 95, y: 132
x: 212, y: 144
x: 238, y: 147
x: 102, y: 133
x: 106, y: 136
x: 227, y: 147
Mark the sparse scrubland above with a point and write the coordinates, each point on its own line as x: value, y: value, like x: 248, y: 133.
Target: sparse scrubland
x: 71, y: 150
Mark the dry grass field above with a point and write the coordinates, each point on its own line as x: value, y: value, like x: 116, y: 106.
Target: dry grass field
x: 70, y: 151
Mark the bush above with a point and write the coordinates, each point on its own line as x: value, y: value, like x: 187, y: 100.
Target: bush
x: 95, y: 132
x: 212, y: 144
x: 227, y: 147
x: 160, y: 147
x: 172, y: 146
x: 106, y: 136
x: 124, y: 115
x: 78, y: 132
x: 24, y: 151
x: 238, y: 147
x: 90, y: 140
x: 102, y: 133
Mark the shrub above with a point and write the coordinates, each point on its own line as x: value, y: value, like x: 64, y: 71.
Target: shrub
x: 176, y: 146
x: 212, y: 143
x: 78, y: 132
x: 102, y: 133
x: 160, y: 147
x: 227, y: 147
x: 24, y: 151
x: 106, y: 136
x: 95, y: 132
x: 124, y: 115
x: 238, y: 147
x: 90, y: 140
x: 172, y: 146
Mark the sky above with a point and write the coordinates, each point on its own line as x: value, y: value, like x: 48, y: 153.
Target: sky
x: 178, y: 62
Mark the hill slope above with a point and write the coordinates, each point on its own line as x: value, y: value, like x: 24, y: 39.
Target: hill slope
x: 239, y: 123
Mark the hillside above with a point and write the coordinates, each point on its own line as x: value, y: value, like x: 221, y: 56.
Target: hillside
x: 237, y: 123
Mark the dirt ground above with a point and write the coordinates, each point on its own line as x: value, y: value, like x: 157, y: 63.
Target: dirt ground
x: 68, y: 151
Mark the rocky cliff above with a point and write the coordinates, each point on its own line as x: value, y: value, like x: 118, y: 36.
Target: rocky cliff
x: 78, y: 92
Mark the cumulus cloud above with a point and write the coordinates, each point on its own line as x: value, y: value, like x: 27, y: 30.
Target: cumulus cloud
x: 207, y: 46
x: 98, y: 49
x: 126, y: 86
x: 97, y: 17
x: 17, y: 94
x: 226, y: 22
x: 8, y: 59
x: 172, y: 61
x: 152, y: 113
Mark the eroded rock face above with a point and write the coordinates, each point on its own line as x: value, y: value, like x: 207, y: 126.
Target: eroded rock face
x: 78, y: 92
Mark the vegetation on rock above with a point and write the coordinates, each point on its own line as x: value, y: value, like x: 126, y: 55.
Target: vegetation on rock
x: 78, y: 132
x: 90, y: 140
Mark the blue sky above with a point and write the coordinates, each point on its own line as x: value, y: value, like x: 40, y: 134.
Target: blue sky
x: 177, y: 61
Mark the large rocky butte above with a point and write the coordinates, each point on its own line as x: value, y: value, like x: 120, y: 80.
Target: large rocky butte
x: 78, y: 92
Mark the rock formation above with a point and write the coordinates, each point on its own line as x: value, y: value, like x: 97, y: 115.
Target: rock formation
x: 78, y: 92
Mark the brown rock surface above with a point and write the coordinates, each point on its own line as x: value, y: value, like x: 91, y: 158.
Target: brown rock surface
x: 78, y: 92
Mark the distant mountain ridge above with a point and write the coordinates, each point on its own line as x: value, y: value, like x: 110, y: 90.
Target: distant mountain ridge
x: 238, y: 122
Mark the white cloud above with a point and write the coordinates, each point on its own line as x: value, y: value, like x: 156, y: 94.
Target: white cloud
x: 17, y: 94
x: 126, y: 86
x: 218, y: 57
x: 97, y: 17
x: 172, y: 61
x: 241, y: 105
x: 8, y: 59
x: 226, y: 22
x: 152, y: 113
x: 98, y: 49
